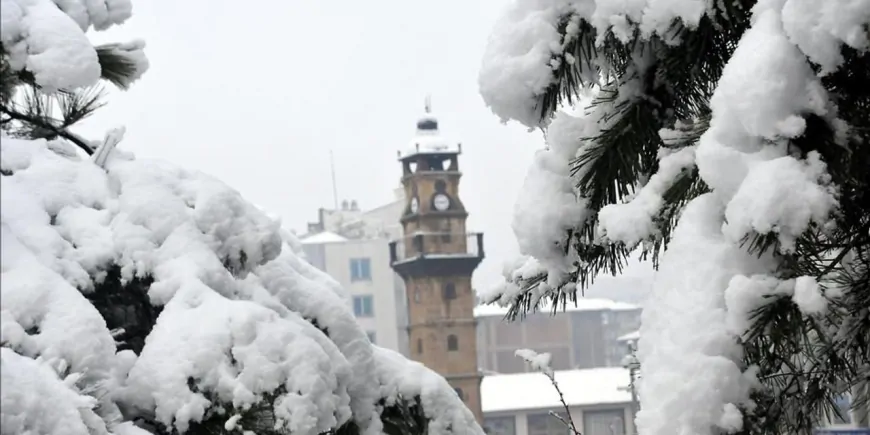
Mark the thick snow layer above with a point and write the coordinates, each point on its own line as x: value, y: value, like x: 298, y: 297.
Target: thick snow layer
x: 692, y: 375
x: 693, y: 381
x: 547, y: 205
x: 782, y: 195
x: 36, y: 401
x: 399, y: 377
x: 588, y: 387
x: 323, y: 237
x: 632, y: 222
x: 818, y: 28
x: 48, y: 39
x: 525, y: 45
x: 517, y: 64
x: 101, y: 14
x: 242, y: 315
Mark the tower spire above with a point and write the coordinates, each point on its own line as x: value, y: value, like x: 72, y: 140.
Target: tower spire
x: 428, y: 103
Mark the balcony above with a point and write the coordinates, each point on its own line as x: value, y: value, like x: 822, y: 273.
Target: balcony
x: 436, y: 254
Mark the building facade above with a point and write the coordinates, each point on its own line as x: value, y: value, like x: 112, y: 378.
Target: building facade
x: 520, y: 404
x: 436, y: 257
x: 585, y: 336
x: 352, y: 246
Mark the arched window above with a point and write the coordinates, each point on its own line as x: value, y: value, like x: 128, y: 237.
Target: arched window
x: 419, y: 345
x: 449, y: 291
x: 452, y: 342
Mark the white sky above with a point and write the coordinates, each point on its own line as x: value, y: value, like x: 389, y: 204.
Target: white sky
x: 258, y: 95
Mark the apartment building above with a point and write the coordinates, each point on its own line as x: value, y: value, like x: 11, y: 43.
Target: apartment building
x: 352, y: 246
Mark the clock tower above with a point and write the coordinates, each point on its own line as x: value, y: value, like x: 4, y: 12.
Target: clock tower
x: 436, y: 258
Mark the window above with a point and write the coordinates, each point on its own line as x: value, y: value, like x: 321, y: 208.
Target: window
x: 452, y: 342
x: 419, y: 345
x: 449, y: 291
x: 363, y: 306
x: 843, y: 403
x: 372, y: 336
x: 604, y: 422
x: 500, y: 425
x: 546, y: 424
x: 360, y: 269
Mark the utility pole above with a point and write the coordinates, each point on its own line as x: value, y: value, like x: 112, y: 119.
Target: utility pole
x: 334, y: 185
x: 633, y: 365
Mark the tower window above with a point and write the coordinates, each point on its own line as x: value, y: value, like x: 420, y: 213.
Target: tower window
x: 452, y: 342
x: 449, y: 291
x: 363, y: 306
x: 360, y: 269
x: 419, y: 345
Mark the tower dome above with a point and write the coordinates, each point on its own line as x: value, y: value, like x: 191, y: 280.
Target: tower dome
x: 427, y: 125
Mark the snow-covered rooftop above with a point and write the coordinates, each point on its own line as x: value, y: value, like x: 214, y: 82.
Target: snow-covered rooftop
x: 587, y: 387
x: 428, y: 138
x: 323, y: 237
x: 583, y: 304
x: 631, y: 336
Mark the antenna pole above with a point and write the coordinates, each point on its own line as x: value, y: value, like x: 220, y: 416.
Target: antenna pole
x: 334, y: 185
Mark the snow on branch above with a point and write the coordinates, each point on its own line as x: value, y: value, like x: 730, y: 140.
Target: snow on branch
x: 231, y: 327
x: 541, y: 362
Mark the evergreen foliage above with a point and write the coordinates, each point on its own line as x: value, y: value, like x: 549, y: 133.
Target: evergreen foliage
x: 27, y: 111
x: 804, y: 361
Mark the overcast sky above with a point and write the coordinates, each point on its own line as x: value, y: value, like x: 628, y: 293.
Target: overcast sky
x: 258, y: 95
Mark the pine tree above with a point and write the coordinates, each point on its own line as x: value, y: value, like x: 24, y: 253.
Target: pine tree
x: 804, y: 361
x: 30, y: 111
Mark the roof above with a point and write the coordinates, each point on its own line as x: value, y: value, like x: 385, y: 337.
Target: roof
x: 587, y: 387
x: 583, y: 304
x: 323, y: 237
x: 428, y: 139
x: 631, y: 336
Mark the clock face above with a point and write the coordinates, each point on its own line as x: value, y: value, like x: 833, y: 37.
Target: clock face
x: 415, y: 205
x: 441, y: 202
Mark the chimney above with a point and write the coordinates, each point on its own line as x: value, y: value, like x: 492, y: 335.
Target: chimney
x: 354, y: 206
x: 344, y: 205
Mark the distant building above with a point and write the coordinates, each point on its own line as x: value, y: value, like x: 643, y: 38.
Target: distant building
x: 519, y: 404
x: 584, y: 336
x: 352, y: 246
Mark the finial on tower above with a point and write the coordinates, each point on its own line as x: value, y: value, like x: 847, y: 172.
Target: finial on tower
x: 428, y: 104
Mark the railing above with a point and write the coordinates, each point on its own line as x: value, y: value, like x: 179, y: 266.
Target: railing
x: 434, y: 245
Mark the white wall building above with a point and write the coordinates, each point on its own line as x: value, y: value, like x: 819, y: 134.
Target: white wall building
x: 352, y: 246
x: 519, y: 404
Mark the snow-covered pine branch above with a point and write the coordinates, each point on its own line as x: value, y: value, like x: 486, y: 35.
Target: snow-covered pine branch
x: 726, y: 140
